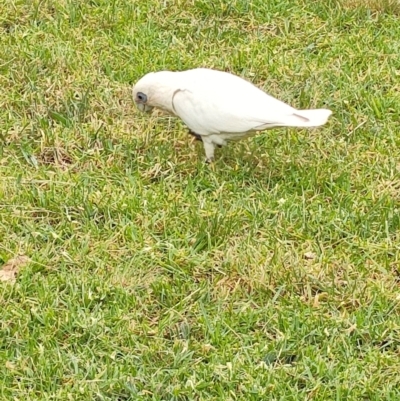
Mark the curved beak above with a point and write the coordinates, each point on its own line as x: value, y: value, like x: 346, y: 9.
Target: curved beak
x: 144, y: 107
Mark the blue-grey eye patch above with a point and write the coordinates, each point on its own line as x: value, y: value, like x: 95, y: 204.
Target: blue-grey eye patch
x: 141, y: 97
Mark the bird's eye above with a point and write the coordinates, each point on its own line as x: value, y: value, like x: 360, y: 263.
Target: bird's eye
x: 141, y: 97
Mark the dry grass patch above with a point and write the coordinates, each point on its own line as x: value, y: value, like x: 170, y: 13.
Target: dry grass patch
x: 385, y: 6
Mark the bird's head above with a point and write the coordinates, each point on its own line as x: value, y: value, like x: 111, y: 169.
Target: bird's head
x: 155, y: 89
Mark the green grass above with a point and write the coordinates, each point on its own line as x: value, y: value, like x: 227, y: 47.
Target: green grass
x: 157, y: 277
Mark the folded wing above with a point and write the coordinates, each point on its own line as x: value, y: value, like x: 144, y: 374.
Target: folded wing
x: 239, y: 109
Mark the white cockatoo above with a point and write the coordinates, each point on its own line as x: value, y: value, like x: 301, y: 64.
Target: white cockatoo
x: 218, y: 106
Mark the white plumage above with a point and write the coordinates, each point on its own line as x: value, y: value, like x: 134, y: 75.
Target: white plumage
x: 218, y: 106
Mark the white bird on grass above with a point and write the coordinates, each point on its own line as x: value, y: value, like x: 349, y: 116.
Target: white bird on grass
x: 218, y: 106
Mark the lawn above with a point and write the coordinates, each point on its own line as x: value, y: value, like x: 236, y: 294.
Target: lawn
x: 272, y: 274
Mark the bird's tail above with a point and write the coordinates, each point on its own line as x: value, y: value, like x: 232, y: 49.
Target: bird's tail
x: 308, y: 118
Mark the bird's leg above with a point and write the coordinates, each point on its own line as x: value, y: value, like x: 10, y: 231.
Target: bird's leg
x: 209, y: 149
x: 208, y: 144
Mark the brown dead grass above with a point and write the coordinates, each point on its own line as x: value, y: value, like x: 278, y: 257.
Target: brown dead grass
x: 10, y: 269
